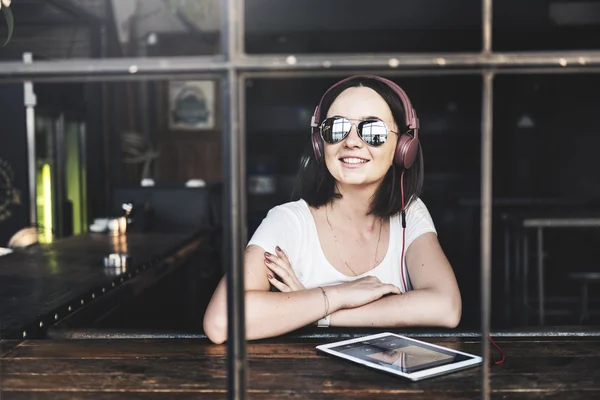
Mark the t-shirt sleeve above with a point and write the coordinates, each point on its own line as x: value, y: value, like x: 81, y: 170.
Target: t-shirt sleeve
x: 279, y: 228
x: 418, y: 221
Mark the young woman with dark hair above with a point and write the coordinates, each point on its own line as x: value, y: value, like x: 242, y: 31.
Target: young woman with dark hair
x: 359, y: 248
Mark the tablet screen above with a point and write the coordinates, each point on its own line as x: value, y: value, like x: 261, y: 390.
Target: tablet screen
x: 400, y: 354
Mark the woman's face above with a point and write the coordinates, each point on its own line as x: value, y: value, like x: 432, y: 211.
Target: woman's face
x: 351, y: 161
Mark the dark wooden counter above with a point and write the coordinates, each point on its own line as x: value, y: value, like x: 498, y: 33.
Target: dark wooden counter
x: 44, y: 283
x: 535, y: 368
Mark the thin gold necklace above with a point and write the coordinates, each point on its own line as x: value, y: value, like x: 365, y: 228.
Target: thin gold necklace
x: 338, y: 244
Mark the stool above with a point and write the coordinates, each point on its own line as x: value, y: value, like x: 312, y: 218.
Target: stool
x: 584, y: 279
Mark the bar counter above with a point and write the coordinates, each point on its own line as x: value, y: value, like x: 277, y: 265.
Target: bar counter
x: 554, y: 364
x: 44, y: 284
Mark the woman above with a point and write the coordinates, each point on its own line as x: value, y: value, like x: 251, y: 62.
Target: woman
x: 338, y: 251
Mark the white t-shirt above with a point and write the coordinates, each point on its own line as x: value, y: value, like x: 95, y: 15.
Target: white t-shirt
x: 291, y: 226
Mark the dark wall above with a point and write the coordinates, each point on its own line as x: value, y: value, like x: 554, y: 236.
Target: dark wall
x: 14, y: 193
x: 555, y: 155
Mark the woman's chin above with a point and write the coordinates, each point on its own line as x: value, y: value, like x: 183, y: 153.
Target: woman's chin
x: 354, y: 180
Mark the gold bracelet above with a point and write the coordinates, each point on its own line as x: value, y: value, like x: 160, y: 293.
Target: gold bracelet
x: 326, y: 301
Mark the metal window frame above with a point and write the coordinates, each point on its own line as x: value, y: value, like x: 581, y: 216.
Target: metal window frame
x: 233, y: 67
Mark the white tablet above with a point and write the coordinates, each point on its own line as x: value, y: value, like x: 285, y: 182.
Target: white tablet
x: 400, y: 355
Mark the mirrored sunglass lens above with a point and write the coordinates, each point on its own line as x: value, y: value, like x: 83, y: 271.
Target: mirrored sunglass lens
x: 335, y: 129
x: 373, y: 133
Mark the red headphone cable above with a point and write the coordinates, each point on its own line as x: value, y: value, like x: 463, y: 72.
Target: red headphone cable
x: 404, y: 282
x: 499, y: 350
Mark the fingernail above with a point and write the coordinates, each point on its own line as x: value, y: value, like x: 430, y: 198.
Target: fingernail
x: 278, y: 249
x: 269, y: 276
x: 268, y: 261
x: 267, y: 254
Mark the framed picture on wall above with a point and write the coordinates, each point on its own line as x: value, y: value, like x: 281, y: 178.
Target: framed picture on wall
x: 192, y: 105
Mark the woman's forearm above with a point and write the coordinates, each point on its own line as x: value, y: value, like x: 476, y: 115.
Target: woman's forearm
x: 422, y: 307
x: 270, y: 314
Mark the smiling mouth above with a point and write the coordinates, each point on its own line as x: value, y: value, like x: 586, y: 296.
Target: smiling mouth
x: 353, y: 160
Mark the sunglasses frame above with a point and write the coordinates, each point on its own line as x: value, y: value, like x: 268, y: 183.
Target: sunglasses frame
x: 358, y: 131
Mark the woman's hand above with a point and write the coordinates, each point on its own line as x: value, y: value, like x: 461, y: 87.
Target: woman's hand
x: 347, y: 295
x: 360, y: 292
x: 279, y: 264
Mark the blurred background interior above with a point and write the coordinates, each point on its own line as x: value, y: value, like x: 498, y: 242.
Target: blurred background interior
x: 97, y: 141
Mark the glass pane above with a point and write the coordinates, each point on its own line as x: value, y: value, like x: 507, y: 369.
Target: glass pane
x: 105, y: 136
x: 352, y: 26
x: 546, y: 167
x: 113, y: 28
x: 547, y: 124
x: 278, y: 113
x: 545, y: 25
x: 102, y: 138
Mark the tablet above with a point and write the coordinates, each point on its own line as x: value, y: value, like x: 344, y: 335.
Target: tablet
x: 400, y: 355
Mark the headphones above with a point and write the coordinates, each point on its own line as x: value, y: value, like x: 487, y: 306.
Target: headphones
x: 408, y: 142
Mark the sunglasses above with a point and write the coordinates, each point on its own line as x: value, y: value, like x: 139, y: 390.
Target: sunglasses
x: 373, y: 132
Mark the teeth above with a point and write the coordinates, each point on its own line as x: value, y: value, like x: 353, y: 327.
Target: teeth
x: 353, y: 160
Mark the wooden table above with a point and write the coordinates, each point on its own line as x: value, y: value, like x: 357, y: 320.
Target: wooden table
x: 284, y: 368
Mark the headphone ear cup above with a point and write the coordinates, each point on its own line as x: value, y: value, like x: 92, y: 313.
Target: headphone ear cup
x: 406, y: 151
x: 317, y: 144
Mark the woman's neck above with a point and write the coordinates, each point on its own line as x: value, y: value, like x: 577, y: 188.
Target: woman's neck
x: 352, y: 210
